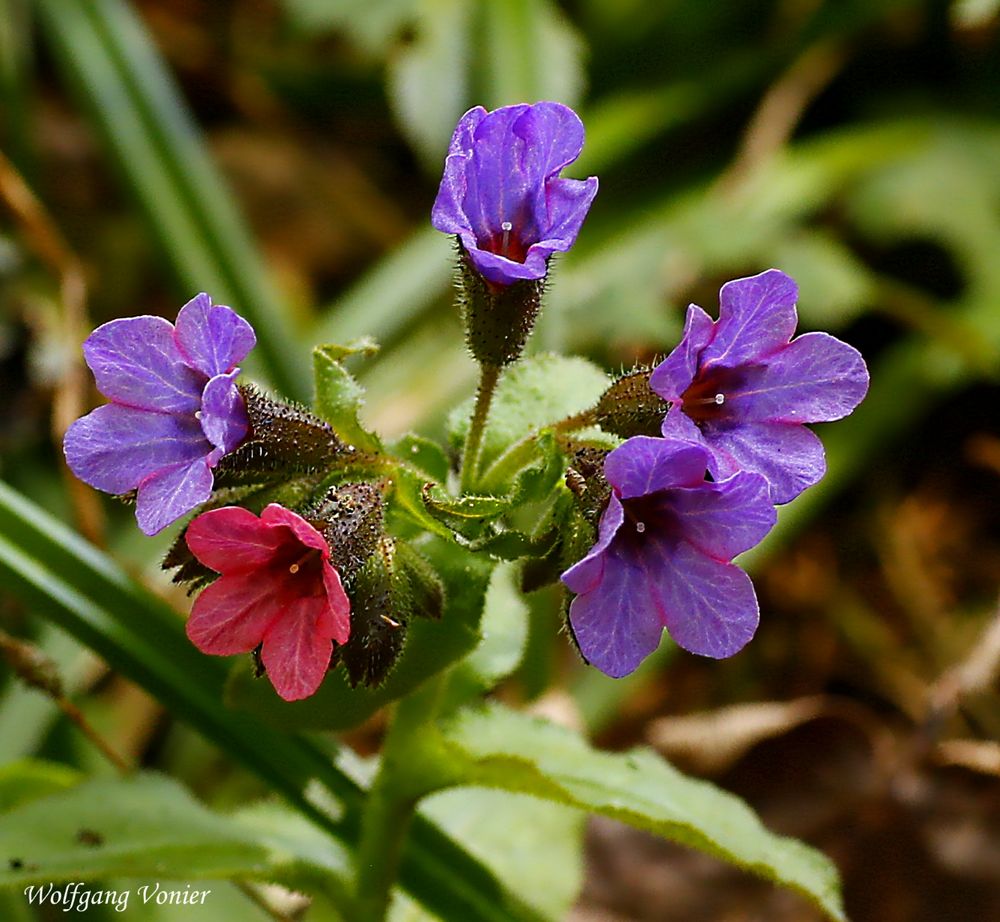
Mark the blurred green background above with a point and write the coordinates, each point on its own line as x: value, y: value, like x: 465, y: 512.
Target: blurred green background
x: 284, y: 157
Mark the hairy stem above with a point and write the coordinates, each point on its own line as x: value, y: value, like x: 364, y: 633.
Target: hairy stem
x: 488, y: 377
x: 406, y: 773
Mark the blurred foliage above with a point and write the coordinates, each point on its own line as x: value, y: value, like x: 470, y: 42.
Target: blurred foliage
x: 284, y: 157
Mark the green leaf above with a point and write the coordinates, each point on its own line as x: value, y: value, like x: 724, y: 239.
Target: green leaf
x: 339, y: 397
x: 148, y: 825
x: 466, y: 515
x: 537, y: 847
x: 495, y: 747
x: 530, y: 52
x: 430, y: 647
x: 373, y: 24
x: 537, y: 391
x: 29, y: 779
x: 428, y: 77
x: 424, y: 454
x: 504, y: 634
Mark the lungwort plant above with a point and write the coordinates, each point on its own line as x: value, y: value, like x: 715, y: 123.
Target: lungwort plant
x: 348, y: 573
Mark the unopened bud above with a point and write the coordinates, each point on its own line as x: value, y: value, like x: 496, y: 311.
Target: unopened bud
x: 284, y: 440
x: 629, y: 407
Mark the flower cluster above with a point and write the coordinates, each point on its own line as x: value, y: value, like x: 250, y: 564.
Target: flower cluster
x: 293, y: 557
x: 738, y: 392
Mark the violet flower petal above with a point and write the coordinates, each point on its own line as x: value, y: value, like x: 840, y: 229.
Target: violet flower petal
x: 644, y: 465
x: 725, y: 519
x: 113, y: 448
x: 553, y: 138
x: 567, y: 203
x: 709, y: 607
x: 498, y: 188
x: 791, y: 457
x: 815, y: 378
x: 172, y: 492
x: 231, y: 540
x: 584, y: 575
x: 233, y: 614
x: 615, y: 625
x: 676, y: 372
x: 212, y: 337
x: 756, y: 317
x: 223, y: 413
x: 297, y: 649
x: 136, y: 362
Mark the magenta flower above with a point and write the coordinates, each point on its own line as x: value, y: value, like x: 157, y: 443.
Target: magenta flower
x: 501, y: 192
x: 743, y: 388
x: 277, y: 588
x: 663, y: 558
x: 175, y: 409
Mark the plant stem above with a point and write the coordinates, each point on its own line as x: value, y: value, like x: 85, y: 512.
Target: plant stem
x: 406, y: 773
x: 488, y: 377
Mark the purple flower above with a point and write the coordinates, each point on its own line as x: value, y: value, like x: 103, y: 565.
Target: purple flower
x: 662, y: 558
x: 175, y: 409
x: 743, y: 388
x: 501, y: 192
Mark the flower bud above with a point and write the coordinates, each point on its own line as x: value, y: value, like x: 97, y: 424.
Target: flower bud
x: 393, y: 585
x: 629, y: 407
x: 284, y: 440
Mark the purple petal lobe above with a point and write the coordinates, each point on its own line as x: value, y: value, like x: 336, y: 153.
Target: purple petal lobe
x: 725, y: 519
x: 223, y: 413
x: 709, y: 607
x: 553, y: 138
x: 616, y: 625
x: 756, y: 317
x: 504, y: 271
x: 678, y: 425
x: 170, y: 493
x: 790, y: 457
x: 567, y: 202
x: 585, y: 575
x: 645, y: 465
x: 114, y: 448
x: 815, y: 378
x: 675, y: 373
x: 136, y: 362
x: 213, y: 338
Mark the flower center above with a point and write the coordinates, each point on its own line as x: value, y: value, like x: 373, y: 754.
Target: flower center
x: 303, y: 568
x: 506, y: 243
x: 647, y: 516
x: 709, y: 397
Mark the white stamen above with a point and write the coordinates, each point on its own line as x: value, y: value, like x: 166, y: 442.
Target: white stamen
x: 720, y: 399
x: 640, y: 527
x: 506, y: 227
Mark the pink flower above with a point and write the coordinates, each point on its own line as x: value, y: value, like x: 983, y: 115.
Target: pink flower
x: 277, y: 588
